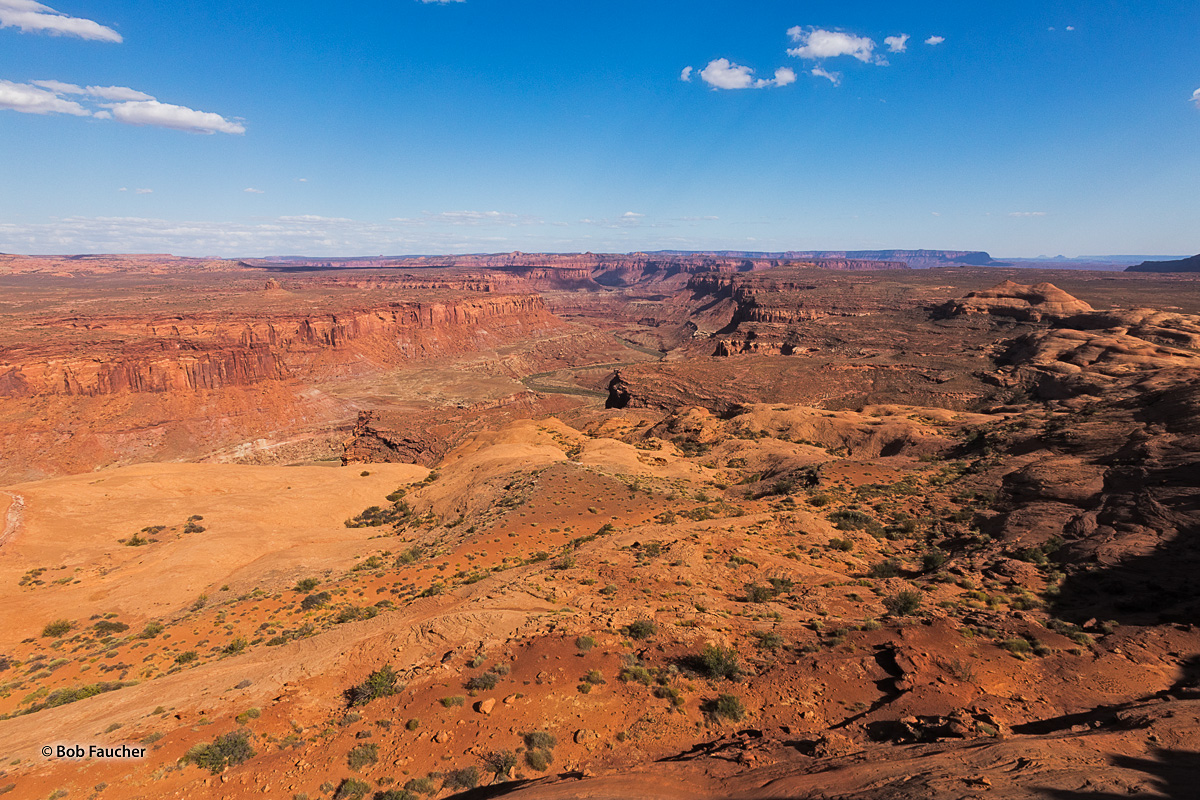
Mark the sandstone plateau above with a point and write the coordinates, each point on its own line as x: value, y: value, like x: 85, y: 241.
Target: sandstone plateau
x: 598, y: 526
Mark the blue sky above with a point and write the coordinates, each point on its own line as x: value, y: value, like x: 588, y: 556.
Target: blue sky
x: 234, y: 128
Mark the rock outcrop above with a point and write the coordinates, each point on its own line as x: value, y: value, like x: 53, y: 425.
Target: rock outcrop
x: 1041, y: 301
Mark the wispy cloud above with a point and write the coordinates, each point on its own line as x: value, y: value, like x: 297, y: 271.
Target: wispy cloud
x: 252, y: 190
x: 110, y: 102
x: 686, y: 75
x: 143, y: 191
x: 721, y: 73
x: 935, y: 40
x: 817, y: 43
x: 1027, y: 213
x: 897, y: 44
x: 29, y: 99
x: 834, y: 77
x: 31, y: 17
x: 1196, y: 98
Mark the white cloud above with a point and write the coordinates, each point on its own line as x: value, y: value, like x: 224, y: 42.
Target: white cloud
x: 143, y: 191
x: 252, y: 190
x: 29, y: 99
x: 897, y: 44
x: 301, y: 180
x: 935, y: 40
x: 180, y: 118
x: 817, y: 43
x: 632, y: 215
x: 686, y: 75
x: 1027, y: 214
x: 117, y: 93
x: 31, y: 17
x: 123, y: 189
x: 1070, y: 27
x: 58, y: 87
x: 784, y: 76
x: 721, y: 73
x: 1196, y: 98
x: 834, y: 77
x: 125, y: 105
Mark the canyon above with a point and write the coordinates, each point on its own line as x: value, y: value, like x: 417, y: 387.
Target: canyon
x: 812, y: 525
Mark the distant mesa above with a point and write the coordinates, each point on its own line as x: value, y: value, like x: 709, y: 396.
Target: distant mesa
x: 1017, y: 301
x: 1183, y: 265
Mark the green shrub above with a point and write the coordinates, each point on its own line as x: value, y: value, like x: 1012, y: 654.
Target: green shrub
x: 412, y: 724
x: 319, y: 600
x: 539, y: 759
x: 768, y: 640
x: 186, y: 657
x: 540, y: 740
x: 585, y: 643
x: 933, y: 560
x: 500, y: 762
x: 307, y: 585
x: 725, y: 706
x: 60, y: 627
x: 106, y: 627
x: 236, y: 646
x: 362, y: 755
x: 229, y: 750
x: 453, y: 702
x: 352, y: 789
x: 151, y: 630
x: 885, y: 569
x: 487, y: 680
x: 903, y: 603
x: 461, y: 779
x: 421, y: 786
x: 641, y: 629
x: 719, y: 662
x: 380, y: 683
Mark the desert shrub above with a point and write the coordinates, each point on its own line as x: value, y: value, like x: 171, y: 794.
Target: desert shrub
x: 57, y: 628
x: 725, y: 706
x: 410, y: 555
x: 768, y: 640
x: 585, y: 643
x: 500, y: 762
x: 61, y: 697
x: 319, y: 600
x: 186, y: 657
x: 191, y: 526
x: 236, y: 646
x: 375, y: 516
x: 718, y: 662
x: 151, y: 630
x: 306, y: 585
x: 1017, y: 646
x: 355, y: 613
x: 351, y: 789
x: 885, y: 569
x: 841, y: 545
x: 540, y: 740
x: 759, y: 594
x: 634, y: 671
x: 380, y: 683
x: 933, y: 560
x: 848, y: 519
x: 105, y: 627
x: 421, y: 786
x: 641, y: 629
x: 362, y: 755
x: 487, y: 680
x: 412, y: 724
x: 539, y: 759
x: 903, y: 603
x: 461, y: 778
x: 224, y: 751
x: 453, y: 702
